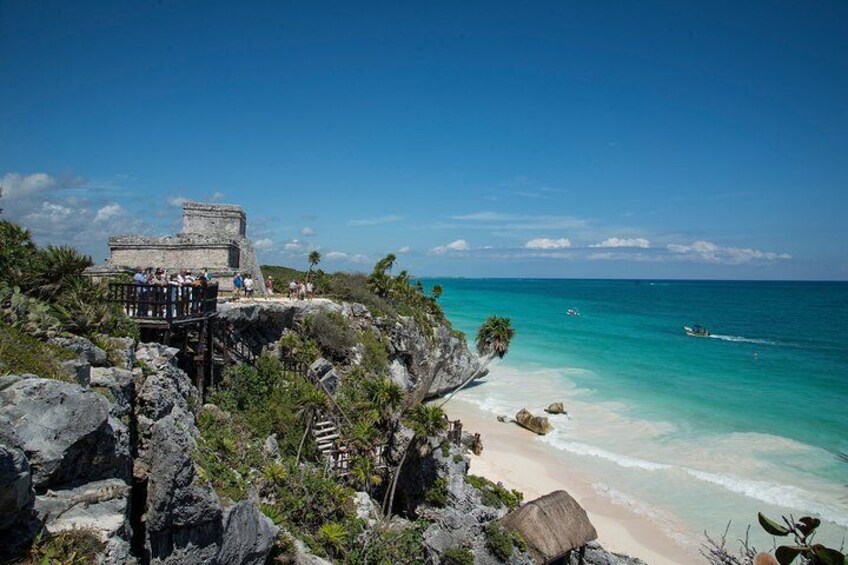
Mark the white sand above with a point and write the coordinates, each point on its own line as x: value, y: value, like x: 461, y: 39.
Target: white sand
x: 509, y: 456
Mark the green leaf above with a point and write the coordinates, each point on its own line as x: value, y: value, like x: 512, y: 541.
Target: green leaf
x: 827, y: 555
x: 771, y: 526
x: 786, y: 554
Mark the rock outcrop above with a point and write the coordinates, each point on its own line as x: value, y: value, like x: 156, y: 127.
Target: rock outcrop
x: 435, y: 355
x: 16, y: 494
x: 556, y: 408
x: 537, y: 424
x: 65, y: 431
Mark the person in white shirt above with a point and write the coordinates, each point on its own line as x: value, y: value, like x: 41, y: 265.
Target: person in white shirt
x: 248, y: 286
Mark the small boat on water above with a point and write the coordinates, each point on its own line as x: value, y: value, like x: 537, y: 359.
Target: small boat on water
x: 696, y: 331
x: 572, y: 312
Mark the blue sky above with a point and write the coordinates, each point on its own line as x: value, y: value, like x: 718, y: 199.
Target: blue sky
x: 595, y: 139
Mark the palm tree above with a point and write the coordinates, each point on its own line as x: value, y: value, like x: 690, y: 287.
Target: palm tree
x: 493, y: 339
x: 314, y: 258
x: 55, y: 267
x: 436, y: 291
x: 386, y: 263
x: 311, y: 402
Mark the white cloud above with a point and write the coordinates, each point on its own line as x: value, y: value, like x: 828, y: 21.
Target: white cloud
x: 712, y: 253
x: 458, y: 245
x: 404, y: 249
x: 343, y: 257
x: 216, y: 196
x: 375, y: 221
x: 618, y: 242
x: 16, y: 186
x: 177, y: 201
x: 263, y: 244
x: 108, y: 211
x: 548, y: 243
x: 293, y: 245
x: 307, y: 231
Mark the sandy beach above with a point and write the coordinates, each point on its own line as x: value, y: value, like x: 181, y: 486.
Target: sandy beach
x: 511, y: 455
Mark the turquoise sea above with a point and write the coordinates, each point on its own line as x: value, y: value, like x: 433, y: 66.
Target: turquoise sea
x: 691, y: 432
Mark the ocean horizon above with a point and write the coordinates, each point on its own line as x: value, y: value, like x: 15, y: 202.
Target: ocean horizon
x: 689, y: 432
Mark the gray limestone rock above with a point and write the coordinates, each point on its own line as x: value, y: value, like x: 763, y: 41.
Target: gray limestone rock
x: 16, y: 494
x: 248, y: 535
x: 78, y: 369
x: 63, y: 429
x: 183, y: 515
x: 83, y: 347
x: 365, y: 508
x: 120, y: 384
x: 271, y: 447
x: 302, y: 555
x: 156, y: 355
x: 322, y: 371
x: 597, y: 555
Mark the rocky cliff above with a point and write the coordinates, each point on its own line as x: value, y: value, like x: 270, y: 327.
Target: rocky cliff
x: 417, y: 352
x: 112, y: 455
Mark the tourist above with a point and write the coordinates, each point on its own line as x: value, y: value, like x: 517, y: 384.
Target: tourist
x: 301, y: 291
x: 237, y: 285
x: 269, y: 285
x: 248, y: 285
x: 189, y: 278
x: 292, y: 289
x: 310, y: 290
x: 206, y: 275
x: 140, y: 280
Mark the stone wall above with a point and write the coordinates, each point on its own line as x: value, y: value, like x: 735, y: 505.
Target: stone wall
x: 174, y: 253
x: 214, y: 220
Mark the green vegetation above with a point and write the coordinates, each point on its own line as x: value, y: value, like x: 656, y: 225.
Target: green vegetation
x: 458, y: 556
x: 802, y: 532
x: 331, y: 332
x: 43, y: 291
x: 71, y: 547
x: 437, y: 495
x: 501, y: 542
x: 21, y: 353
x: 494, y: 494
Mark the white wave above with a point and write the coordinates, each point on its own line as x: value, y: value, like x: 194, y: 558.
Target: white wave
x: 777, y: 494
x: 740, y: 339
x: 592, y: 451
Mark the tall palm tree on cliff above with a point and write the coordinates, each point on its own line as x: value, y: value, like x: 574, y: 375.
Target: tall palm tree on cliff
x: 493, y: 339
x: 314, y: 258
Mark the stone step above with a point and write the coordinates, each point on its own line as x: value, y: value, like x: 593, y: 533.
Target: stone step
x: 326, y: 437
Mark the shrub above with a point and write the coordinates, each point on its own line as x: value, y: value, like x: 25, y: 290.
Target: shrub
x: 494, y: 494
x: 437, y: 495
x: 391, y: 546
x: 331, y: 333
x: 458, y: 556
x: 69, y: 547
x: 376, y: 355
x: 501, y: 542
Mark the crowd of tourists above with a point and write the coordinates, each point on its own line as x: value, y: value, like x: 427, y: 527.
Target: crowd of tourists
x: 301, y: 290
x: 156, y: 288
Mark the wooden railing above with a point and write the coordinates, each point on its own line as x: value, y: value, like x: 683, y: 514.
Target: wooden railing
x: 166, y: 303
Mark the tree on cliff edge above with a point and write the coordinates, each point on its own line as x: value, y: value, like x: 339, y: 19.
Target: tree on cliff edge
x: 314, y: 258
x: 493, y: 339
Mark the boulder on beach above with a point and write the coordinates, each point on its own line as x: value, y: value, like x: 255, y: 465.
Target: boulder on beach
x: 552, y: 526
x: 556, y: 408
x: 538, y: 424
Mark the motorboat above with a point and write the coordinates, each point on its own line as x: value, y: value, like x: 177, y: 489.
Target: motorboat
x: 696, y: 331
x: 572, y: 312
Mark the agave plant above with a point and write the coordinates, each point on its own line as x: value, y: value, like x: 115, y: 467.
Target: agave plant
x: 54, y: 267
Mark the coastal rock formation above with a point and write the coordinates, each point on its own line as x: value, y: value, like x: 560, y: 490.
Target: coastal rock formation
x: 537, y: 424
x: 84, y: 347
x: 556, y: 408
x: 248, y: 535
x: 64, y: 430
x: 16, y: 494
x: 551, y: 526
x: 440, y: 359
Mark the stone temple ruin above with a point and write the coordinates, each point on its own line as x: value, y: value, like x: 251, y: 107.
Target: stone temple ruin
x: 213, y: 237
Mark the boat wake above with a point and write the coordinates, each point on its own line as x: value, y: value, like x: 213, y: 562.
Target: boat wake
x: 740, y: 339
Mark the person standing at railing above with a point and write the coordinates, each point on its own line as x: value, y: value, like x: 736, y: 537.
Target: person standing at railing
x: 237, y: 282
x: 139, y: 302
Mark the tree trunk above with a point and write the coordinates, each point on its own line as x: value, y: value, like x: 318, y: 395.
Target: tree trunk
x: 391, y: 492
x: 485, y: 363
x: 303, y: 439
